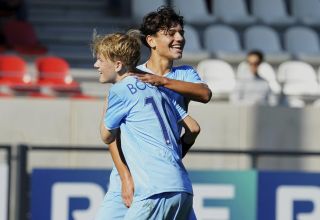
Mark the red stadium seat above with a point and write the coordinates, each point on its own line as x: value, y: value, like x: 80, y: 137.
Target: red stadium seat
x: 14, y: 76
x: 21, y: 36
x: 53, y: 73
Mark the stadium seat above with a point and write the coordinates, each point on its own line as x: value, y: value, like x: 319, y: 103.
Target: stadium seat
x: 187, y: 10
x: 14, y: 76
x: 219, y: 76
x: 265, y: 70
x: 193, y: 49
x: 299, y: 81
x: 140, y: 8
x: 272, y: 12
x: 53, y: 74
x: 303, y: 43
x: 307, y: 12
x: 266, y: 39
x: 224, y: 43
x: 233, y: 12
x: 21, y: 36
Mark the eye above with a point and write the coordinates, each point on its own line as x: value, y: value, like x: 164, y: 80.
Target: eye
x: 171, y: 32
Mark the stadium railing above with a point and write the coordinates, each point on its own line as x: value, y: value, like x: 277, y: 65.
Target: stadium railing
x: 23, y: 180
x: 8, y: 157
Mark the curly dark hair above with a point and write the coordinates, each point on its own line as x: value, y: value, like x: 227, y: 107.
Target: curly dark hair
x: 162, y: 19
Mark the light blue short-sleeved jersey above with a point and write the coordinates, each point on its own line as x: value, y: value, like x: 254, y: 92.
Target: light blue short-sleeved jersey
x: 183, y: 73
x: 148, y: 120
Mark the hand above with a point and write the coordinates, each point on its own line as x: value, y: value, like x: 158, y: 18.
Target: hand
x: 127, y: 190
x: 153, y: 79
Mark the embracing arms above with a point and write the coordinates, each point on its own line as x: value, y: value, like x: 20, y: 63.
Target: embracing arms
x: 198, y: 92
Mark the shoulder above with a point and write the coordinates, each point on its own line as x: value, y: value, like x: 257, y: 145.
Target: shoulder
x: 122, y: 89
x: 183, y: 68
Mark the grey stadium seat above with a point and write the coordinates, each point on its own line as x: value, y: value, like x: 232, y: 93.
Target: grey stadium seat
x: 233, y: 12
x: 272, y: 12
x: 267, y: 40
x: 306, y: 11
x: 303, y: 43
x: 193, y: 50
x: 224, y: 43
x: 194, y: 12
x: 139, y: 8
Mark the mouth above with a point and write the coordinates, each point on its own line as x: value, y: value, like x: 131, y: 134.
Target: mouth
x: 177, y: 47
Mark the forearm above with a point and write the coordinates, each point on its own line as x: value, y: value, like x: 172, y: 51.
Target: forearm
x: 119, y: 161
x: 187, y: 140
x: 192, y: 130
x: 106, y: 136
x: 198, y: 92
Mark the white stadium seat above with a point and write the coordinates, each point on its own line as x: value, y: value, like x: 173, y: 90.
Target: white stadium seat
x: 299, y: 81
x: 219, y: 76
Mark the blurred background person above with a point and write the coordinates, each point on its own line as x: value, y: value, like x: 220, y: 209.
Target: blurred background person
x: 252, y: 86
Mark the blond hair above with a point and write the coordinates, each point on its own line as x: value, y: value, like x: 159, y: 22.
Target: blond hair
x: 119, y: 46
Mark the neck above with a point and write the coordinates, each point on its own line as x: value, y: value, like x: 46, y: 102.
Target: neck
x: 159, y: 65
x: 121, y: 76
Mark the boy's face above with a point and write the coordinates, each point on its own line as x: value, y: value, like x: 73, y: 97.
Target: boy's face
x: 107, y: 69
x: 169, y: 43
x: 253, y: 62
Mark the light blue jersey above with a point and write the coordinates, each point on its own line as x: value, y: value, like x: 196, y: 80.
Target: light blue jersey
x: 183, y: 73
x: 112, y: 205
x: 148, y: 120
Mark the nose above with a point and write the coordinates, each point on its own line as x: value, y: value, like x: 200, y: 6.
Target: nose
x: 95, y: 65
x: 179, y: 36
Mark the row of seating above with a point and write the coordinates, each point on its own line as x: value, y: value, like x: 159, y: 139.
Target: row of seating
x: 236, y: 12
x: 295, y: 79
x: 21, y: 37
x: 52, y: 79
x: 224, y: 42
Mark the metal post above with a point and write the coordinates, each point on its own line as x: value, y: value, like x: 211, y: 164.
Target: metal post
x: 22, y: 183
x: 9, y: 154
x: 254, y: 160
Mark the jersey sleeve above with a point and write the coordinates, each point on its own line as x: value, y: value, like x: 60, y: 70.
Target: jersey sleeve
x: 116, y: 112
x: 193, y: 76
x: 180, y: 112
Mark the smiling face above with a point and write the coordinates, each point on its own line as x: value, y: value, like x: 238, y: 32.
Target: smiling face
x: 168, y: 43
x: 107, y: 69
x: 253, y: 61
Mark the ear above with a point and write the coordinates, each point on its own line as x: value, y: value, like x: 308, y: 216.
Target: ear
x: 118, y: 66
x: 151, y: 41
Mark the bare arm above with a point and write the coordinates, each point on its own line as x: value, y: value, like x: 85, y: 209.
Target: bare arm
x: 192, y: 130
x: 114, y: 142
x: 198, y: 92
x: 127, y: 185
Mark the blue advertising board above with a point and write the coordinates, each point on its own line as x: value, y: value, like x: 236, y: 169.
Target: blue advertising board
x: 68, y: 194
x: 289, y: 196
